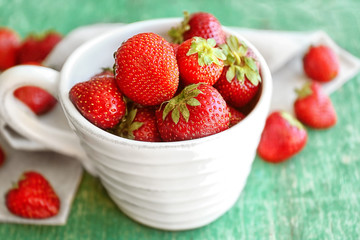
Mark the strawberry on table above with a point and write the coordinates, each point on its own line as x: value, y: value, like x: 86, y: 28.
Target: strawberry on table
x: 37, y: 99
x: 99, y: 100
x: 240, y: 80
x: 314, y: 108
x: 321, y: 63
x: 146, y: 70
x: 35, y: 48
x: 199, y: 24
x: 283, y: 137
x: 9, y: 45
x: 198, y: 111
x: 33, y: 197
x: 200, y: 60
x: 139, y: 124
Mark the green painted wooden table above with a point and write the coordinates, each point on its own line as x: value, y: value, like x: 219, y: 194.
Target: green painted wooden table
x: 315, y: 195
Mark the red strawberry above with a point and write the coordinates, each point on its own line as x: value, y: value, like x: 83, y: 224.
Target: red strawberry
x: 9, y: 44
x: 37, y: 99
x: 33, y: 197
x: 36, y: 48
x: 198, y: 111
x: 139, y: 124
x: 2, y: 156
x: 283, y: 137
x: 200, y: 24
x: 146, y: 70
x: 235, y: 116
x: 99, y: 100
x: 314, y: 108
x: 240, y: 80
x: 321, y: 63
x: 199, y: 61
x: 175, y: 46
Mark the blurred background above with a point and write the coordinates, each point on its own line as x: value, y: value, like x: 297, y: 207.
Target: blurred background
x: 316, y: 195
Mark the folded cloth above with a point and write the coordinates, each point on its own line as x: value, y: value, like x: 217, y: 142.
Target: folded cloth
x: 282, y: 50
x: 63, y: 173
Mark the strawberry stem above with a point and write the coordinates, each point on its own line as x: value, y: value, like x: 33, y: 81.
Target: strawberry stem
x: 304, y: 91
x: 176, y: 33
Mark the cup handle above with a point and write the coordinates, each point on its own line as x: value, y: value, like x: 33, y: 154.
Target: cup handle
x: 44, y: 130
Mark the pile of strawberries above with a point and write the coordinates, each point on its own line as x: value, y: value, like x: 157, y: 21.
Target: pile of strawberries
x: 200, y: 84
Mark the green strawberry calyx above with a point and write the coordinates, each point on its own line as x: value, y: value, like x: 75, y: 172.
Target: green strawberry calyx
x: 291, y: 120
x: 239, y: 64
x: 127, y: 125
x: 178, y: 105
x: 304, y: 91
x: 207, y: 51
x: 176, y: 33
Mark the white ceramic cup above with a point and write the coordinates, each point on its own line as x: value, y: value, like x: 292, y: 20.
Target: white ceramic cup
x: 166, y: 185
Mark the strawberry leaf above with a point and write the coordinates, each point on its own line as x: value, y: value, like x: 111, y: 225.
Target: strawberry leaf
x: 177, y: 105
x: 252, y: 76
x: 292, y: 120
x: 175, y: 115
x: 240, y: 64
x: 168, y: 108
x: 193, y: 102
x: 207, y: 51
x: 230, y: 74
x: 190, y: 88
x: 304, y: 91
x: 132, y: 115
x: 240, y: 73
x: 193, y: 93
x: 211, y: 42
x: 135, y: 126
x: 250, y: 63
x: 176, y: 33
x: 184, y: 112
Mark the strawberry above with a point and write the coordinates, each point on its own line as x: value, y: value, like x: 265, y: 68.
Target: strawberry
x: 33, y: 197
x: 321, y: 63
x: 240, y: 79
x: 99, y: 100
x: 175, y: 47
x: 35, y: 48
x: 313, y: 107
x: 146, y: 70
x: 139, y: 124
x: 9, y: 44
x: 199, y: 24
x: 283, y: 137
x: 235, y: 116
x: 198, y: 111
x: 2, y: 156
x: 37, y: 99
x: 199, y: 61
